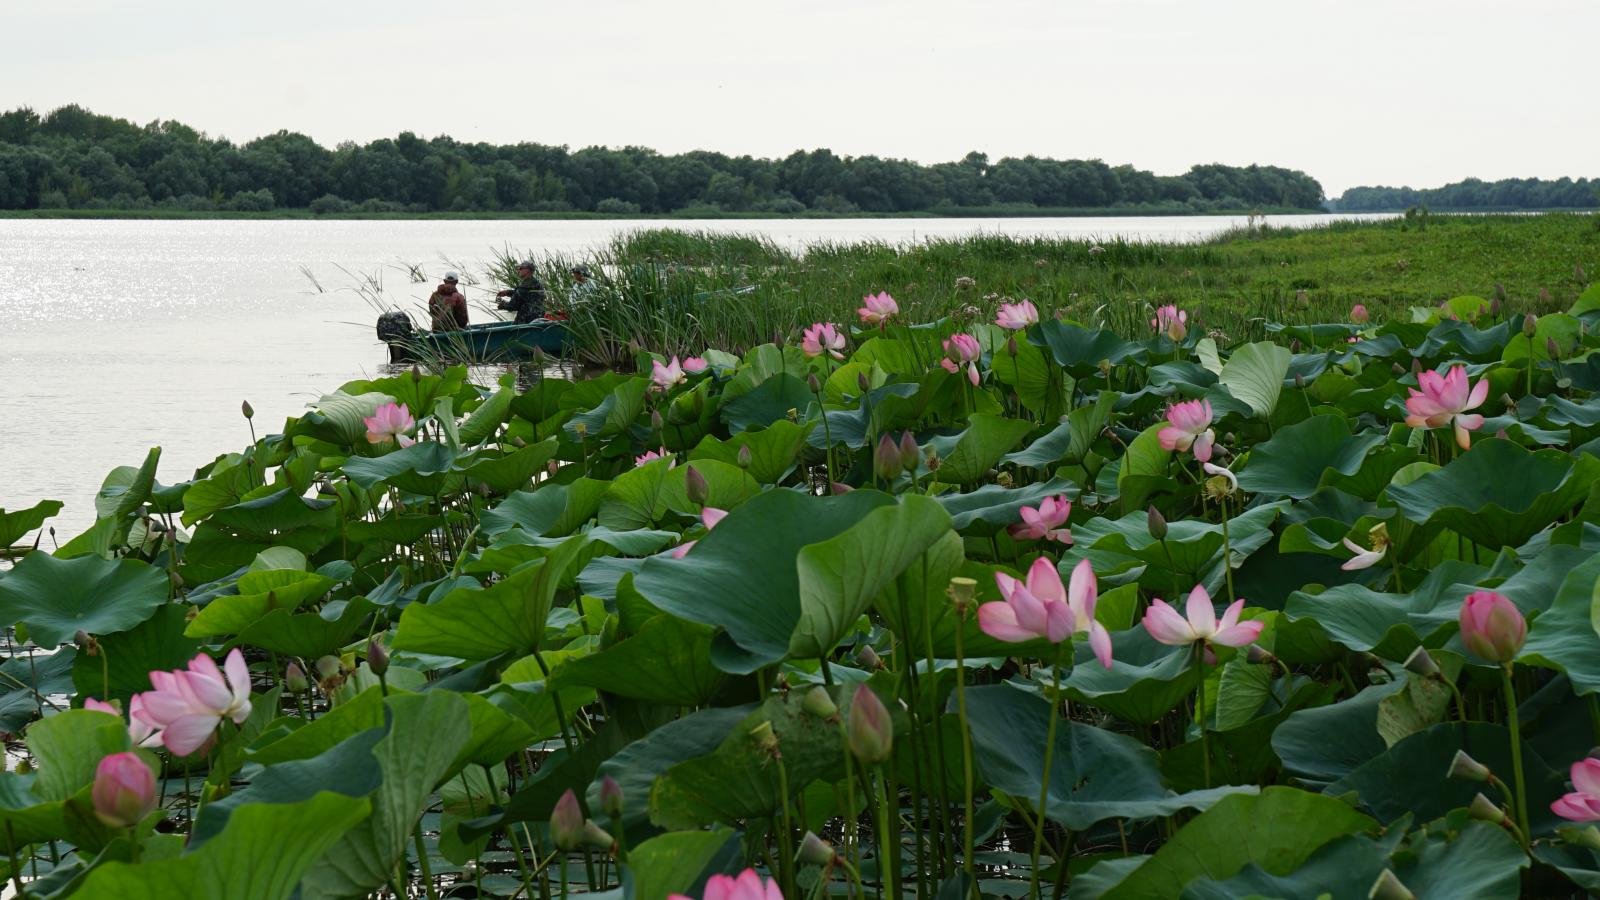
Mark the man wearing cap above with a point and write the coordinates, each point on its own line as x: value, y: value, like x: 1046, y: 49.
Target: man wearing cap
x: 447, y: 306
x: 583, y: 286
x: 527, y: 298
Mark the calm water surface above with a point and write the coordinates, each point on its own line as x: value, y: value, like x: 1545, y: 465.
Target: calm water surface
x: 118, y: 336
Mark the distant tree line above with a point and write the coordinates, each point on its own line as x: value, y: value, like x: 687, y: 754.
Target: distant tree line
x: 1509, y: 193
x: 72, y: 158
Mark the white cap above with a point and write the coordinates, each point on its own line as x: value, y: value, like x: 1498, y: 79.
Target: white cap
x: 451, y: 276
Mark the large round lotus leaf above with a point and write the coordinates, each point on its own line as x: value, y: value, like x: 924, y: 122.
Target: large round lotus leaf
x: 1080, y: 349
x: 1294, y: 462
x: 1497, y: 494
x: 123, y: 668
x: 418, y: 468
x: 1254, y: 374
x: 15, y: 524
x: 1567, y: 635
x: 57, y: 598
x: 1145, y: 681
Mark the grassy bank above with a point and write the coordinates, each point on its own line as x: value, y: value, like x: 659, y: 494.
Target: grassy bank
x: 672, y: 291
x: 693, y: 213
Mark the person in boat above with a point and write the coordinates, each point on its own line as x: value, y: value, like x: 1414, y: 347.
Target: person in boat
x: 583, y: 286
x: 447, y: 306
x: 527, y: 298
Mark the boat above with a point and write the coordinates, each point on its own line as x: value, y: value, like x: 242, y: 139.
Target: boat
x: 487, y: 342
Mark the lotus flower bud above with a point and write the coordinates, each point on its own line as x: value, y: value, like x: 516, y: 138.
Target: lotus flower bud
x: 1552, y: 348
x: 248, y: 410
x: 910, y: 453
x: 1530, y: 325
x: 778, y: 339
x: 566, y: 822
x: 819, y: 704
x: 1420, y: 662
x: 538, y: 357
x: 328, y: 667
x: 886, y: 457
x: 1494, y: 307
x: 416, y: 374
x: 1484, y: 809
x: 1157, y: 523
x: 294, y: 678
x: 871, y: 731
x: 963, y: 591
x: 1011, y: 345
x: 611, y: 797
x: 1398, y: 369
x: 86, y: 642
x: 655, y: 420
x: 1388, y: 887
x: 124, y: 790
x: 815, y: 850
x: 1499, y: 292
x: 377, y: 657
x: 766, y: 740
x: 696, y: 486
x: 518, y: 442
x: 743, y: 457
x: 1492, y: 627
x: 1416, y: 366
x: 863, y: 382
x: 1466, y: 768
x: 813, y: 384
x: 868, y: 658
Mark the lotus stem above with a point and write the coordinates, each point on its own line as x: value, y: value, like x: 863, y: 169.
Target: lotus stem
x: 968, y: 834
x: 422, y: 863
x: 1200, y: 710
x: 1227, y: 550
x: 1044, y: 780
x: 1516, y: 753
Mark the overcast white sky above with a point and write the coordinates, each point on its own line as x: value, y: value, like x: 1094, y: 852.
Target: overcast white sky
x: 1413, y: 92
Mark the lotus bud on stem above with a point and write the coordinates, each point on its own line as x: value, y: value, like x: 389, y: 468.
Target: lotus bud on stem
x: 294, y: 678
x: 910, y: 453
x: 886, y: 462
x: 611, y: 797
x: 862, y: 382
x: 696, y: 486
x: 1530, y: 325
x: 743, y: 458
x: 1157, y: 523
x: 813, y: 383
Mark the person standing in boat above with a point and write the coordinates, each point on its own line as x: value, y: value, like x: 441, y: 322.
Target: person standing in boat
x: 527, y: 298
x: 447, y: 306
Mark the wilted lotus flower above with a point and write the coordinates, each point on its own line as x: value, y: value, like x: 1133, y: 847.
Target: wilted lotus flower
x: 962, y: 350
x: 390, y: 423
x: 823, y: 337
x: 709, y: 517
x: 187, y: 706
x: 1366, y: 559
x: 1016, y: 316
x: 1044, y: 522
x: 1189, y: 426
x: 870, y: 732
x: 877, y: 308
x: 1201, y: 624
x: 124, y: 790
x: 665, y: 377
x: 1445, y: 399
x: 1583, y: 803
x: 747, y: 886
x: 1359, y: 314
x: 1492, y: 627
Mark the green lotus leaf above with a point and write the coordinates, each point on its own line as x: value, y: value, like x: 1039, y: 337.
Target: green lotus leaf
x: 613, y: 415
x: 774, y: 449
x: 1079, y: 349
x: 308, y: 635
x: 1070, y: 441
x: 25, y: 680
x: 510, y: 471
x: 998, y: 506
x: 552, y: 509
x: 17, y: 523
x: 636, y: 766
x: 1296, y: 460
x: 57, y: 598
x: 1254, y: 375
x: 1146, y: 679
x: 123, y: 667
x: 965, y: 458
x: 419, y: 468
x: 1564, y: 636
x: 260, y: 593
x: 767, y: 404
x: 1192, y: 553
x: 675, y: 863
x: 667, y: 662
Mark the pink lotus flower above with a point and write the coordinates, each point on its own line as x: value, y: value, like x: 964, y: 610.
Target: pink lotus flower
x: 1363, y: 559
x: 1444, y: 399
x: 962, y: 350
x: 694, y: 365
x: 1045, y: 522
x: 1189, y: 425
x: 1359, y: 314
x: 666, y: 377
x: 1019, y: 315
x: 142, y: 730
x: 1492, y: 627
x: 747, y: 886
x: 823, y: 337
x: 124, y: 790
x: 1583, y: 803
x: 187, y: 706
x: 870, y: 731
x: 101, y: 706
x: 653, y: 455
x: 709, y: 517
x: 1167, y: 626
x: 1171, y: 321
x: 877, y: 308
x: 1037, y: 608
x: 390, y: 423
x: 1083, y: 592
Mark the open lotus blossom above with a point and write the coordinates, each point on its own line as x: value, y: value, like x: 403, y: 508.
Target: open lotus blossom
x: 694, y: 365
x: 390, y: 423
x: 1492, y: 627
x: 1036, y: 608
x: 1083, y: 592
x: 1444, y: 400
x: 189, y: 705
x: 1167, y: 626
x: 1363, y: 559
x: 962, y: 350
x: 653, y: 455
x: 1189, y: 426
x: 124, y: 790
x: 1171, y: 321
x: 747, y: 885
x: 1583, y: 803
x: 1019, y: 315
x: 1044, y: 523
x: 823, y: 337
x: 1359, y: 314
x: 877, y: 308
x: 709, y: 517
x: 665, y: 377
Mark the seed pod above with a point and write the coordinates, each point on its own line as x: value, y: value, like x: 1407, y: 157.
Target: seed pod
x: 1388, y: 887
x: 819, y: 704
x: 1466, y: 768
x: 815, y: 850
x: 868, y: 658
x: 1484, y: 809
x: 963, y: 591
x: 1420, y: 662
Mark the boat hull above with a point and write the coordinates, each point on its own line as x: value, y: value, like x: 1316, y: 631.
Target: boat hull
x: 491, y: 342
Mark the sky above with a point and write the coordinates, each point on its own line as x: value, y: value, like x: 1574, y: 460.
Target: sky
x: 1413, y: 92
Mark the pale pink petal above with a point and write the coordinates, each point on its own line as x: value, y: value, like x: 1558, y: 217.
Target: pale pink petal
x: 1059, y: 622
x: 1100, y: 643
x: 1166, y: 625
x: 710, y: 516
x: 1239, y: 635
x: 1480, y: 393
x: 1031, y: 611
x: 1577, y: 808
x: 1044, y: 582
x: 1202, y: 615
x: 1172, y: 438
x: 682, y: 550
x: 1083, y: 592
x: 999, y: 621
x: 1586, y: 776
x: 972, y: 373
x: 98, y: 706
x: 186, y: 734
x: 1203, y: 444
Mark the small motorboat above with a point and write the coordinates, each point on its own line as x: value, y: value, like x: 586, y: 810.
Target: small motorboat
x: 488, y: 342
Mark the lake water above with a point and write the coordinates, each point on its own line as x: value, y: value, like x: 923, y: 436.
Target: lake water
x: 118, y: 336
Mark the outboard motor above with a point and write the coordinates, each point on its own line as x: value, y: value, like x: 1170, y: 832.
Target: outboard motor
x: 394, y: 326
